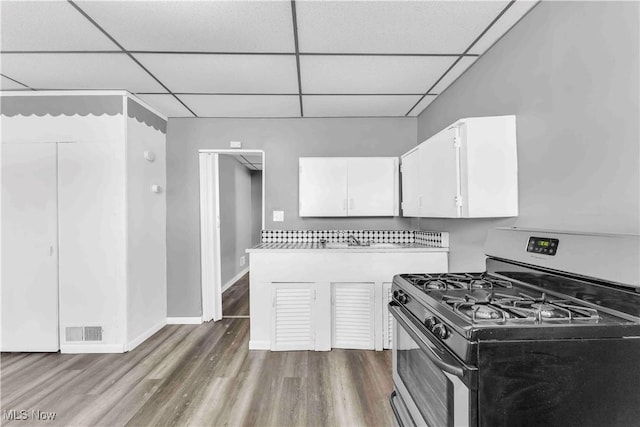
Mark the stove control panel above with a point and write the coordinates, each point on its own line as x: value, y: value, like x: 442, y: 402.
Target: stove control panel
x: 542, y: 245
x: 438, y: 328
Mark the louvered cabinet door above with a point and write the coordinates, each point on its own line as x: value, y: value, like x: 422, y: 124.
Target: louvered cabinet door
x: 292, y: 325
x: 387, y: 318
x: 353, y: 321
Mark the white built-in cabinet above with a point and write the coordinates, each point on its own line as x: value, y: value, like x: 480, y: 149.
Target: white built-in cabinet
x: 348, y: 186
x: 467, y: 170
x: 324, y: 299
x: 83, y: 222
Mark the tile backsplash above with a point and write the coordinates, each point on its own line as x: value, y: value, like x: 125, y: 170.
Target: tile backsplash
x: 426, y: 238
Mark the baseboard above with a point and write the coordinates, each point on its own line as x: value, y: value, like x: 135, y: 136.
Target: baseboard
x: 234, y: 279
x: 259, y: 345
x: 184, y: 320
x: 146, y: 334
x: 91, y: 348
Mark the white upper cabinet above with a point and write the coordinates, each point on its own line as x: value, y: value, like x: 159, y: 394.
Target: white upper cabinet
x: 323, y: 189
x: 411, y: 197
x: 468, y: 170
x: 348, y: 186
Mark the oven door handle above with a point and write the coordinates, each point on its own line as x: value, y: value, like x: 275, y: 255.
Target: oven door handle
x: 422, y: 343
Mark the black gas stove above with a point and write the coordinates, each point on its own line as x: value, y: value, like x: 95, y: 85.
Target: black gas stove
x: 542, y: 336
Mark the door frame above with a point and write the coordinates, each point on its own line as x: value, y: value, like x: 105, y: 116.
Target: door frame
x: 210, y: 255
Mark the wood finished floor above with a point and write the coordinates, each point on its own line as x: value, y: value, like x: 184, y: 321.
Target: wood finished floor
x: 235, y: 300
x: 200, y: 375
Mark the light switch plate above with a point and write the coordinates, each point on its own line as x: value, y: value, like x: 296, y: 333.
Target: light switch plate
x: 278, y: 216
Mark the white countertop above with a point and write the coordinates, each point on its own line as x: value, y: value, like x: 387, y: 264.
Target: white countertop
x: 317, y: 247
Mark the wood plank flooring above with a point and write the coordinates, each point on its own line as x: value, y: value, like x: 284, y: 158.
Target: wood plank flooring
x: 200, y: 375
x: 235, y: 300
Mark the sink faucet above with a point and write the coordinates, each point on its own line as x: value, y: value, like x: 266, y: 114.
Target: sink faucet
x: 352, y: 241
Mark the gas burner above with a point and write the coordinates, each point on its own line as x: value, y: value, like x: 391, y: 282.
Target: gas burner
x: 496, y: 306
x: 452, y: 281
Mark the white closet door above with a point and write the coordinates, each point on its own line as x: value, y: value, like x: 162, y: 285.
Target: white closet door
x: 353, y: 316
x: 29, y: 247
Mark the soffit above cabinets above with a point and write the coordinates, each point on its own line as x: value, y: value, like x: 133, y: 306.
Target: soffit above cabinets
x: 253, y: 58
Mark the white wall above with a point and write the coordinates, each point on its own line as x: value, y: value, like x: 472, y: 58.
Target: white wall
x: 569, y: 72
x: 146, y: 235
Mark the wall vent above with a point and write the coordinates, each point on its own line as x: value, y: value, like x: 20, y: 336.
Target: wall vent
x: 73, y: 333
x: 92, y: 333
x: 83, y: 333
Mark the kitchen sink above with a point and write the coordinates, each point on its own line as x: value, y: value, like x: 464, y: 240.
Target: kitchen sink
x: 372, y: 246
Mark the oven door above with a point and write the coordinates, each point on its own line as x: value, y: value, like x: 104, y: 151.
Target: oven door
x: 435, y: 388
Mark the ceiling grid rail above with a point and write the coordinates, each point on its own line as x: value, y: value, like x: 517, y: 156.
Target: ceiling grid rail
x: 103, y: 31
x: 297, y: 53
x: 466, y: 51
x: 16, y: 81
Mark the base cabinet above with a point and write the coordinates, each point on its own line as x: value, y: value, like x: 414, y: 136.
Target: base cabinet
x: 319, y: 301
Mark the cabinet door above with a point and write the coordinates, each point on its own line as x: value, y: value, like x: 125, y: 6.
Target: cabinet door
x: 387, y: 318
x: 439, y: 175
x: 372, y: 184
x: 410, y: 185
x: 29, y: 247
x: 353, y: 322
x: 292, y: 323
x: 323, y: 186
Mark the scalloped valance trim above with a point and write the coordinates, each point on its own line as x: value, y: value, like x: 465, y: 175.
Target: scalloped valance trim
x: 142, y: 115
x: 58, y: 105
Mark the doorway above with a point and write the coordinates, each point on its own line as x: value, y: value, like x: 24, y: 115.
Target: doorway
x: 231, y: 217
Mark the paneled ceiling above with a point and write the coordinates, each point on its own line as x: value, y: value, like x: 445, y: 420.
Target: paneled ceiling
x: 253, y: 58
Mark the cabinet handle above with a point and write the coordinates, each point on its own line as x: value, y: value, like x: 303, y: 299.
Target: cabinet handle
x: 419, y: 201
x: 351, y: 203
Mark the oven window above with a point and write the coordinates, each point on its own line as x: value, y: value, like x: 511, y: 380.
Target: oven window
x: 430, y: 389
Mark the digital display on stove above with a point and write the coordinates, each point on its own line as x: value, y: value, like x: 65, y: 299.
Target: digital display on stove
x: 543, y: 245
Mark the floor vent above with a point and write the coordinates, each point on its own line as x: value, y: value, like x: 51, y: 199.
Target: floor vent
x: 80, y: 333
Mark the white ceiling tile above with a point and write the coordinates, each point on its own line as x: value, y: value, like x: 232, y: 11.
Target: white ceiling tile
x: 8, y: 84
x: 422, y: 105
x: 454, y: 73
x: 393, y: 27
x: 48, y: 25
x: 224, y: 73
x: 166, y: 104
x: 371, y: 74
x: 204, y: 26
x: 357, y: 105
x: 504, y: 24
x: 243, y: 105
x: 78, y: 71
